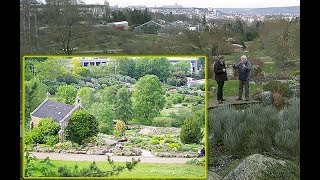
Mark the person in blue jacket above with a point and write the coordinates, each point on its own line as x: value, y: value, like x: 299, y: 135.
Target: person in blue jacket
x: 244, y: 68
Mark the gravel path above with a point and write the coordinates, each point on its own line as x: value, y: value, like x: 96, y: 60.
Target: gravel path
x: 91, y: 157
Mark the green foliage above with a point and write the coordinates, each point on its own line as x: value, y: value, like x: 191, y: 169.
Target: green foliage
x: 106, y: 128
x: 123, y: 105
x: 183, y: 66
x: 120, y: 127
x: 159, y: 67
x: 162, y: 121
x: 103, y: 113
x: 179, y: 117
x: 68, y: 79
x: 65, y: 145
x: 45, y: 167
x: 45, y: 133
x: 50, y: 69
x: 127, y: 67
x: 277, y: 86
x: 154, y: 141
x: 190, y: 131
x: 256, y: 129
x: 194, y: 161
x: 51, y: 140
x: 87, y: 96
x: 202, y: 86
x: 177, y: 78
x: 81, y: 126
x: 148, y: 99
x: 35, y: 93
x: 66, y: 94
x: 107, y: 95
x: 174, y: 145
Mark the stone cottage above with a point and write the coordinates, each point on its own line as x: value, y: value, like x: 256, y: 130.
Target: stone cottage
x: 60, y: 112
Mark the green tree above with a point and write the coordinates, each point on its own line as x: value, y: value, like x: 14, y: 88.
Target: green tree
x: 50, y: 69
x: 127, y: 67
x: 107, y: 95
x: 45, y: 133
x: 148, y: 99
x: 66, y: 94
x: 81, y: 125
x: 35, y: 93
x: 154, y: 66
x: 190, y: 131
x: 183, y: 66
x: 87, y: 96
x: 123, y: 105
x: 104, y: 114
x: 120, y: 127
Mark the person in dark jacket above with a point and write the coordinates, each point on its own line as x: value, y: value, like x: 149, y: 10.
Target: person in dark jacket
x: 220, y: 76
x: 244, y: 68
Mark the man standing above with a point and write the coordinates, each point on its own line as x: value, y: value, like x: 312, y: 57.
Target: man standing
x: 220, y: 76
x: 244, y: 68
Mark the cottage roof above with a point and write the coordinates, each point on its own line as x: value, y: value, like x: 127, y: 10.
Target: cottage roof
x: 52, y: 109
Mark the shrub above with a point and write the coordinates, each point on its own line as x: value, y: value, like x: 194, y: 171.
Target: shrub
x: 162, y: 121
x: 51, y: 140
x: 202, y: 86
x: 65, y: 145
x: 277, y: 99
x: 154, y: 141
x: 47, y: 127
x: 190, y: 131
x: 277, y: 86
x: 81, y: 126
x: 195, y: 161
x: 120, y: 127
x: 174, y: 145
x: 105, y: 128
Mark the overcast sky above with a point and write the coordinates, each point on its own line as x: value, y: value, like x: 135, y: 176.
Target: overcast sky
x: 202, y: 3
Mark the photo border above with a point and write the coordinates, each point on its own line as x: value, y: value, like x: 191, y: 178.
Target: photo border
x: 22, y: 134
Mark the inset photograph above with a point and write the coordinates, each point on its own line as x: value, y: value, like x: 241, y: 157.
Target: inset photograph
x: 114, y: 116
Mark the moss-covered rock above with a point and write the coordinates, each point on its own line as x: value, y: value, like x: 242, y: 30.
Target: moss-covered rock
x: 259, y: 167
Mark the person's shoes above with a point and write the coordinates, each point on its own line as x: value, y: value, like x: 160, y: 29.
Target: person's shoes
x: 238, y: 99
x: 220, y: 102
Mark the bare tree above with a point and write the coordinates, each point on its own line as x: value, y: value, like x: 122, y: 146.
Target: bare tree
x: 66, y: 25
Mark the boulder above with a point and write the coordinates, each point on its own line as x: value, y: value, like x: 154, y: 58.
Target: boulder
x: 252, y: 167
x: 213, y: 176
x: 266, y: 97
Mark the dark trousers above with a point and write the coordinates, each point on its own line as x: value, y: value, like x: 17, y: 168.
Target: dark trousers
x: 244, y: 84
x: 220, y: 90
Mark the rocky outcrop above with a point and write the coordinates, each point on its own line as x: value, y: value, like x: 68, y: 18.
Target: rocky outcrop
x: 252, y: 167
x: 213, y: 176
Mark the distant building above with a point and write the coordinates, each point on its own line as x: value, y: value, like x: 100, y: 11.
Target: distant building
x: 150, y: 27
x: 175, y: 6
x: 122, y: 25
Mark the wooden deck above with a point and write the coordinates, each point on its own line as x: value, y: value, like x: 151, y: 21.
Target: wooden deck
x: 213, y: 103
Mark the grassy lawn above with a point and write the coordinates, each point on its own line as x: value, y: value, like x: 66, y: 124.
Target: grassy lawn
x: 142, y: 170
x: 268, y: 67
x: 231, y: 87
x: 166, y: 112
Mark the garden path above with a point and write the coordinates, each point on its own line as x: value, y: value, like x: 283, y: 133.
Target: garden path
x: 213, y: 103
x: 91, y: 157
